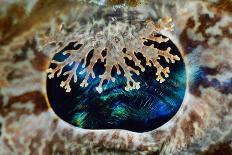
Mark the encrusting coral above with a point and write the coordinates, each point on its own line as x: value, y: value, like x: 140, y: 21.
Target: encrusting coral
x: 112, y: 38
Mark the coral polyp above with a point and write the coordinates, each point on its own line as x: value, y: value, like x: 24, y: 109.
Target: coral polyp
x: 120, y: 41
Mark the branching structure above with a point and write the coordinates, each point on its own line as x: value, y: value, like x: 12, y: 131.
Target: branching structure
x: 112, y: 38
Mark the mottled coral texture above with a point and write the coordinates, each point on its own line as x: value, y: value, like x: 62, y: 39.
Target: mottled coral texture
x: 202, y: 126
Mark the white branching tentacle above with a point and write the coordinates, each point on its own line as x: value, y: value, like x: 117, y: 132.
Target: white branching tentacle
x: 71, y: 74
x: 119, y: 40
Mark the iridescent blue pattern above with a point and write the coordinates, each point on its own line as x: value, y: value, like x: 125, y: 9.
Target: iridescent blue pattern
x: 139, y: 110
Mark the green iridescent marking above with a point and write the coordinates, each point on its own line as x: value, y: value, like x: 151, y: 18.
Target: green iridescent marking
x: 79, y: 118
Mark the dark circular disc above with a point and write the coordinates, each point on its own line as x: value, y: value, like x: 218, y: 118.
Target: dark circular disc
x: 140, y: 110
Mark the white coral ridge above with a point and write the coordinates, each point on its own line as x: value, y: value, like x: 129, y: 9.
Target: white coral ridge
x: 113, y: 38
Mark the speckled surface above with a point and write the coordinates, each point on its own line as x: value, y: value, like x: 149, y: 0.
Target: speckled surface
x: 203, y: 30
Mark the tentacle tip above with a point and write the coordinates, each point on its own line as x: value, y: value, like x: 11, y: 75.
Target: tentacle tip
x: 68, y: 90
x: 113, y: 79
x: 50, y: 76
x: 99, y: 89
x: 137, y: 86
x: 118, y: 72
x: 177, y: 57
x: 126, y: 89
x: 137, y: 73
x: 166, y: 75
x: 62, y: 84
x: 84, y: 83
